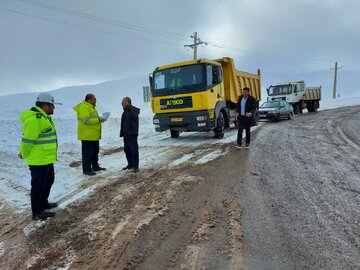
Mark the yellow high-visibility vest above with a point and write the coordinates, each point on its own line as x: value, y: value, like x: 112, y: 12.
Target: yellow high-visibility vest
x: 39, y: 141
x: 89, y: 126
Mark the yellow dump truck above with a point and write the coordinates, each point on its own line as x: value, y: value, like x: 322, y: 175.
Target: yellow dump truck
x: 199, y: 95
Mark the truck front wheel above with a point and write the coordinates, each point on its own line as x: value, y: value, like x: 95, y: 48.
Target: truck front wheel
x: 296, y: 108
x: 174, y: 133
x: 219, y: 131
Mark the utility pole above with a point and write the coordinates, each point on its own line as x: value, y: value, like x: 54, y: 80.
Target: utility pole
x: 197, y: 42
x: 335, y: 78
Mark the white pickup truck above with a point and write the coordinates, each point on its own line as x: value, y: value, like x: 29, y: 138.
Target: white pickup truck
x: 295, y: 93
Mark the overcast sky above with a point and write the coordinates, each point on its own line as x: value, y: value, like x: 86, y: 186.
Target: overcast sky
x: 47, y: 44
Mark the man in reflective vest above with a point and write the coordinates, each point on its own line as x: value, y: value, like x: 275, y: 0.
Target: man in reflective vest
x: 89, y: 133
x: 39, y: 148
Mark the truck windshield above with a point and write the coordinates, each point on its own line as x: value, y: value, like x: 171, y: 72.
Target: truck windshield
x: 271, y: 104
x: 280, y: 90
x: 178, y: 80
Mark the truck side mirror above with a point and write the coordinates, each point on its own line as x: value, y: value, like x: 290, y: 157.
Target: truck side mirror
x: 267, y: 90
x: 151, y: 81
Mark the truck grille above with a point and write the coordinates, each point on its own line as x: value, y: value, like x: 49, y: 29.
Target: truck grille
x: 176, y: 103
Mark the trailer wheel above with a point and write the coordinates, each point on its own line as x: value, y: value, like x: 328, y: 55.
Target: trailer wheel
x: 174, y: 133
x: 219, y: 131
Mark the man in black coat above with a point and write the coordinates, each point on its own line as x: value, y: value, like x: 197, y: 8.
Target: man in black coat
x: 245, y: 110
x: 130, y: 130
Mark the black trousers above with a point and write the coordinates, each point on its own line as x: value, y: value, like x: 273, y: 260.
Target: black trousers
x: 42, y: 179
x: 244, y: 123
x: 90, y: 155
x: 131, y: 149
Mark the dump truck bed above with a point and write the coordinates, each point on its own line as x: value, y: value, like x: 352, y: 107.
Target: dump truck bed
x: 312, y: 93
x: 235, y: 81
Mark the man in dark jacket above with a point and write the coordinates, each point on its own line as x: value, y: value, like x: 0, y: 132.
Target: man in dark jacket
x: 130, y: 130
x: 245, y: 110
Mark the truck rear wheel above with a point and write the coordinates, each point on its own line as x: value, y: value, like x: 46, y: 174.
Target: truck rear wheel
x: 310, y: 107
x: 315, y: 106
x: 174, y: 133
x: 219, y: 131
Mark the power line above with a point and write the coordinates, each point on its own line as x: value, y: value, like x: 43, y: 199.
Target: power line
x: 283, y: 61
x: 88, y: 27
x: 105, y: 20
x: 263, y: 56
x: 270, y: 56
x: 153, y: 31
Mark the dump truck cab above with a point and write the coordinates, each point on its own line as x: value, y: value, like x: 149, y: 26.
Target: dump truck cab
x: 291, y: 92
x: 185, y: 96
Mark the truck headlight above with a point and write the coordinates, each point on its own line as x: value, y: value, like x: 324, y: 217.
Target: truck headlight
x: 156, y: 121
x: 201, y: 118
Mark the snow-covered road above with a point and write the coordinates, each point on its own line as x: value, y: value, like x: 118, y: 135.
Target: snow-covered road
x: 156, y: 150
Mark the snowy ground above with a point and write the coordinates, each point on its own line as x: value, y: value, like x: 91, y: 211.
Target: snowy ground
x: 71, y: 185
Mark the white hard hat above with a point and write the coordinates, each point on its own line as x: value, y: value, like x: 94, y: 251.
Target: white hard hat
x: 47, y: 98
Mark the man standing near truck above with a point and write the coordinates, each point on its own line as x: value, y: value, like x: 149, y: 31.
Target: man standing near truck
x: 245, y: 110
x: 89, y: 133
x: 129, y: 130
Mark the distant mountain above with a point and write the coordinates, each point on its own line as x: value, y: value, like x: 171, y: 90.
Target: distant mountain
x: 109, y: 95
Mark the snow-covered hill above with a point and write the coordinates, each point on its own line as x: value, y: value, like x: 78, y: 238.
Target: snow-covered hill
x: 109, y: 95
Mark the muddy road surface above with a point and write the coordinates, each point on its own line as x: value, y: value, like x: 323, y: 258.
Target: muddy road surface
x: 292, y: 201
x: 303, y: 203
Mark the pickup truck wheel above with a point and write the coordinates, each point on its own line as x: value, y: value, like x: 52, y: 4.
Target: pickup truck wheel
x: 220, y: 126
x: 174, y: 133
x: 290, y: 116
